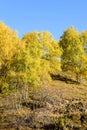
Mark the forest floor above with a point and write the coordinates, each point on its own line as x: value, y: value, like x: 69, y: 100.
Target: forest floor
x: 59, y: 106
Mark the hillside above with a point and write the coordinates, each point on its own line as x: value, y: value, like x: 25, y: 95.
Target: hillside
x: 59, y: 106
x: 43, y: 81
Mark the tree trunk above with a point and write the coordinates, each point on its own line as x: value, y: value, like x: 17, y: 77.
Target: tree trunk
x: 79, y: 78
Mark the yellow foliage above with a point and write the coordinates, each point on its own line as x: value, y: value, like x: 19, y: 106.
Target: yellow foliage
x: 74, y: 56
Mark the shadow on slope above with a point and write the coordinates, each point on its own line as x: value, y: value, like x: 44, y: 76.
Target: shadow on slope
x: 64, y: 78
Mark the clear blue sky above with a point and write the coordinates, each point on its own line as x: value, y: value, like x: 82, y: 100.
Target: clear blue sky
x: 54, y: 16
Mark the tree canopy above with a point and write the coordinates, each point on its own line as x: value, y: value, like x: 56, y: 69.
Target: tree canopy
x: 31, y: 60
x: 74, y: 58
x: 28, y: 61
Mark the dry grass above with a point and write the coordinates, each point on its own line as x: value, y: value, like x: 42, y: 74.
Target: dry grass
x: 36, y: 109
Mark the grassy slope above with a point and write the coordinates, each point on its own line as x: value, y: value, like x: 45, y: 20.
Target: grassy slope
x: 61, y: 106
